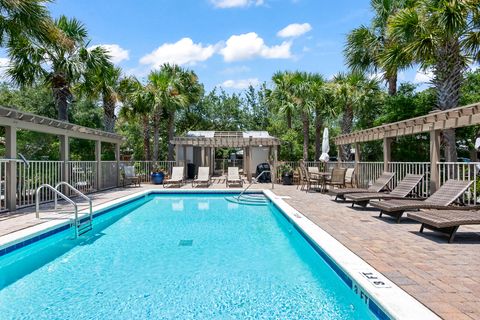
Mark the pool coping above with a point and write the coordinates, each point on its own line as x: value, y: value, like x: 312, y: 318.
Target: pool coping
x: 370, y: 285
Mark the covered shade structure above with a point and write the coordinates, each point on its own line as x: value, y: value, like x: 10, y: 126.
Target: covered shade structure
x: 433, y: 123
x: 199, y: 147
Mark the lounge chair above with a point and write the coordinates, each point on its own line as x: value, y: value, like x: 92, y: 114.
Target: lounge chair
x: 129, y: 176
x: 441, y: 199
x: 350, y: 177
x: 445, y: 221
x: 203, y: 177
x: 403, y: 189
x: 233, y: 177
x: 177, y: 177
x: 379, y: 185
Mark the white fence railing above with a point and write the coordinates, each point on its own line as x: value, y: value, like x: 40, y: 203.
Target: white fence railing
x: 462, y: 171
x: 401, y: 169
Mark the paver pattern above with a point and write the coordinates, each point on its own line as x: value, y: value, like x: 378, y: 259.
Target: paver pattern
x: 445, y: 277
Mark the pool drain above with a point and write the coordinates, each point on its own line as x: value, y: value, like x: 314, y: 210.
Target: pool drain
x: 185, y: 243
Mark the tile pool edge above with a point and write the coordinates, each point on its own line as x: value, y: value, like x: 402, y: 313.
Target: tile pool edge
x: 390, y: 298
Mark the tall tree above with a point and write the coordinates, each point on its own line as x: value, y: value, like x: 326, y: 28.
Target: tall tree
x: 29, y: 19
x: 60, y: 63
x: 104, y: 84
x: 137, y: 103
x: 351, y: 91
x: 366, y: 45
x: 444, y: 37
x: 280, y: 98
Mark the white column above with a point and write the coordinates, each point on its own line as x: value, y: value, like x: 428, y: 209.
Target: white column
x: 387, y: 152
x: 64, y: 156
x: 11, y: 152
x: 98, y: 159
x: 117, y: 157
x: 434, y: 159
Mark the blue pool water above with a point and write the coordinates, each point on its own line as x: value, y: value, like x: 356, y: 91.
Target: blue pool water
x: 176, y: 257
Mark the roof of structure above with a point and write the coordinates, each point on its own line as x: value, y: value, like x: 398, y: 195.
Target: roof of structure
x: 227, y: 139
x: 33, y: 122
x: 439, y: 120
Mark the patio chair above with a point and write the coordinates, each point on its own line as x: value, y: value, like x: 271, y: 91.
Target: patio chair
x: 177, y: 177
x: 202, y: 178
x: 129, y: 176
x: 311, y: 179
x: 336, y: 179
x: 233, y: 177
x: 445, y: 221
x: 441, y: 199
x: 350, y: 177
x: 379, y: 185
x: 402, y: 190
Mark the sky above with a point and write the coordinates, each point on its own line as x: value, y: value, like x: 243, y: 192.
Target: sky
x: 228, y: 43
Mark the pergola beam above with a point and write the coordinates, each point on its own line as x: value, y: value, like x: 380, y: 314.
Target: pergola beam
x: 441, y: 120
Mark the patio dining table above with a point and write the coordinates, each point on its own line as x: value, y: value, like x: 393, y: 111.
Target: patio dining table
x: 322, y: 177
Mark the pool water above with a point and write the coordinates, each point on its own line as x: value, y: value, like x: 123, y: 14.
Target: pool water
x: 176, y: 257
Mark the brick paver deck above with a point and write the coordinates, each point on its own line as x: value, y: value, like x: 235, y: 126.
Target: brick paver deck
x: 445, y: 277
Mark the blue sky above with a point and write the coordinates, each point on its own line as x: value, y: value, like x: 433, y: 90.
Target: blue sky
x: 226, y: 42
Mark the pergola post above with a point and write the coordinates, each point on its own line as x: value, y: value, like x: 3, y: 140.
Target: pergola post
x: 434, y: 159
x: 177, y: 154
x: 247, y: 163
x: 274, y: 171
x: 202, y: 156
x: 65, y: 156
x: 117, y: 158
x: 11, y: 153
x: 387, y: 152
x: 98, y: 159
x: 358, y: 158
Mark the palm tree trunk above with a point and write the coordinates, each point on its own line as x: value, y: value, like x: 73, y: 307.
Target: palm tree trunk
x: 306, y: 127
x: 61, y: 95
x: 289, y: 119
x: 318, y: 134
x: 448, y: 79
x: 146, y: 138
x: 171, y: 134
x: 346, y: 125
x: 392, y: 83
x: 109, y: 114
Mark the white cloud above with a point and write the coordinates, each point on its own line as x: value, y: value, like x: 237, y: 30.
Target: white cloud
x: 117, y: 54
x: 223, y: 4
x: 294, y: 30
x: 250, y: 45
x: 181, y: 52
x: 423, y: 76
x: 240, y: 84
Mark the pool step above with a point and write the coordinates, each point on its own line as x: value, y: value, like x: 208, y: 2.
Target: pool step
x: 84, y: 227
x: 253, y: 199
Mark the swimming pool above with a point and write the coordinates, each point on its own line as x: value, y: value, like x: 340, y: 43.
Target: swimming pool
x: 184, y: 256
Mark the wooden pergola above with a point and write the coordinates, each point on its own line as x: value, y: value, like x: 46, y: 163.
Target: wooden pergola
x: 14, y: 120
x: 432, y: 123
x: 209, y: 140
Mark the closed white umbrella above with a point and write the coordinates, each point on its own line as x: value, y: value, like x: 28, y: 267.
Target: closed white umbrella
x: 325, y: 146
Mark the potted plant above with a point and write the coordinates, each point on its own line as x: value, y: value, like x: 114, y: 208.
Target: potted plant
x: 286, y: 173
x: 158, y: 174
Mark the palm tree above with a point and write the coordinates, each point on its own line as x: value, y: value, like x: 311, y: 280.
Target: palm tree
x: 366, y: 45
x: 104, y: 83
x: 444, y: 37
x: 351, y: 91
x: 187, y: 91
x: 26, y: 19
x: 137, y: 102
x: 59, y: 64
x: 279, y: 98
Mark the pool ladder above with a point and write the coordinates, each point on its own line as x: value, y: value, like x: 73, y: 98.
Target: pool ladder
x: 82, y: 225
x: 250, y: 199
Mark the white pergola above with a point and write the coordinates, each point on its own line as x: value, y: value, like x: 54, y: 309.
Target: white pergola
x: 14, y: 120
x: 432, y: 123
x: 209, y: 140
